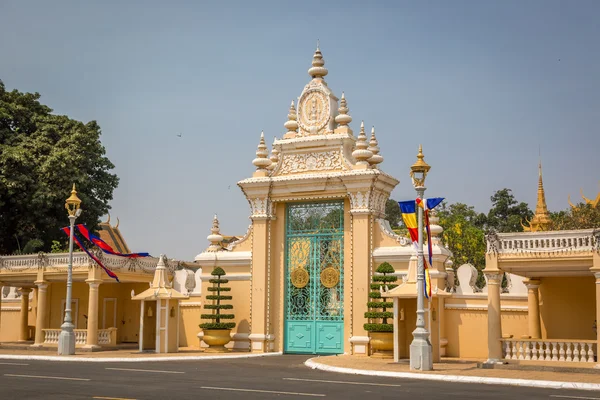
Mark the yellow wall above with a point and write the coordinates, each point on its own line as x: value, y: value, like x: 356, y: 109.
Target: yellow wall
x: 568, y: 307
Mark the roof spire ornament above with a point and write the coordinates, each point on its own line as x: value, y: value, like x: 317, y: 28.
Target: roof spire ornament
x: 215, y: 238
x: 343, y: 118
x: 541, y: 220
x: 361, y: 153
x: 376, y: 158
x: 261, y: 162
x: 292, y: 123
x: 318, y: 71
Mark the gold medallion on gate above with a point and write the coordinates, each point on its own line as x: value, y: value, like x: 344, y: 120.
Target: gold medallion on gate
x: 330, y: 277
x: 299, y: 277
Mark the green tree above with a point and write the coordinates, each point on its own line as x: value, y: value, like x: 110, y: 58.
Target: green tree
x: 583, y: 216
x: 41, y: 156
x: 392, y: 213
x: 506, y: 213
x: 464, y: 235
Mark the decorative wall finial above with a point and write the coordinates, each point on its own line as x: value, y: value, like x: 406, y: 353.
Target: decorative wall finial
x: 215, y: 238
x: 292, y: 123
x: 318, y: 70
x: 343, y: 118
x: 274, y: 158
x: 376, y: 158
x: 261, y: 162
x: 361, y: 152
x: 541, y: 220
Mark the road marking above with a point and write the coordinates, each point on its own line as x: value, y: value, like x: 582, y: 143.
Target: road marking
x: 263, y: 391
x: 146, y: 370
x: 343, y: 382
x: 111, y: 398
x: 3, y: 363
x: 575, y: 397
x: 48, y: 377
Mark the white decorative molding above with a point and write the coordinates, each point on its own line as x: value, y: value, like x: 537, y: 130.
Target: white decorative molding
x: 551, y: 242
x: 386, y: 229
x: 359, y: 201
x: 190, y: 304
x: 224, y: 258
x: 467, y: 277
x: 232, y: 245
x: 310, y: 162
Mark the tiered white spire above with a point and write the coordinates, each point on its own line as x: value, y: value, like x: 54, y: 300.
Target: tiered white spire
x: 361, y: 153
x: 292, y: 123
x: 274, y: 158
x: 435, y: 229
x: 343, y: 118
x: 261, y: 162
x: 318, y: 71
x: 215, y: 238
x: 376, y: 158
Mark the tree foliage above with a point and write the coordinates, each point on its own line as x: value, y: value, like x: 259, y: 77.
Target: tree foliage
x: 41, y: 156
x: 392, y: 213
x: 506, y: 214
x: 584, y: 216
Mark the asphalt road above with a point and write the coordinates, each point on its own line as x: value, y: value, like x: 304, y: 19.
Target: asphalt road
x: 277, y: 377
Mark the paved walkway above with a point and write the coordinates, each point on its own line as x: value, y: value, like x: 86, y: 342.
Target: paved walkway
x: 457, y: 371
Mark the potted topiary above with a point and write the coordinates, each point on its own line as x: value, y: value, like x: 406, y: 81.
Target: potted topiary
x: 381, y: 333
x: 216, y: 333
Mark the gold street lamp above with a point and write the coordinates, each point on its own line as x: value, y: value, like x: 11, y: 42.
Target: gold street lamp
x: 66, y: 339
x: 420, y: 348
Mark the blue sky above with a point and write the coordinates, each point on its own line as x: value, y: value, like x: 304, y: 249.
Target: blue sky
x: 481, y: 84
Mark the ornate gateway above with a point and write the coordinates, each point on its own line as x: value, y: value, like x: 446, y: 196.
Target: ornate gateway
x: 314, y: 307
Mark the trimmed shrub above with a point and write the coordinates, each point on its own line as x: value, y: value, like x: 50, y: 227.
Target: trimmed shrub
x: 378, y: 315
x: 216, y: 316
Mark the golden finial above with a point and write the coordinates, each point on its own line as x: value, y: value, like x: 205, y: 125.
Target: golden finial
x: 541, y: 220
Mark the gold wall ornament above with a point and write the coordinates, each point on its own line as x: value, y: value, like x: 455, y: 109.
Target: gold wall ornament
x: 330, y: 277
x: 299, y: 277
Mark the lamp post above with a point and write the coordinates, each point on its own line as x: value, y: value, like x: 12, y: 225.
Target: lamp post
x: 66, y: 339
x: 420, y: 348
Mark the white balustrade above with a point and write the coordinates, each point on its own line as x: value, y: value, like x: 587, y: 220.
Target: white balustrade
x: 580, y: 240
x: 107, y: 337
x: 549, y: 350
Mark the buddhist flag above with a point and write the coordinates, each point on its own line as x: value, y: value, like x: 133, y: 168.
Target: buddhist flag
x: 409, y: 216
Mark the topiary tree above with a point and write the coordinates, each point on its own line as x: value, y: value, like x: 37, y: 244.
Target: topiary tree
x: 377, y: 303
x: 216, y: 305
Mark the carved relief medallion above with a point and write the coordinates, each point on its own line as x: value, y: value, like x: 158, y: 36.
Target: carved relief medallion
x: 330, y: 277
x: 314, y: 111
x: 299, y: 277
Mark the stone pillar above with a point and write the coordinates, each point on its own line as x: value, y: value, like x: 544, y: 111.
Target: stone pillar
x: 24, y: 324
x: 1, y: 295
x: 597, y: 276
x: 258, y: 336
x: 494, y: 280
x: 533, y: 307
x: 42, y: 312
x: 92, y: 323
x: 361, y: 272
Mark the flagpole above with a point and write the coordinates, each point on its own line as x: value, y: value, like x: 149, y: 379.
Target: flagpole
x: 420, y: 349
x: 66, y: 339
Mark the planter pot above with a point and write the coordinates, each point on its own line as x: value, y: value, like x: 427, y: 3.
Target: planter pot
x: 216, y: 339
x: 382, y: 344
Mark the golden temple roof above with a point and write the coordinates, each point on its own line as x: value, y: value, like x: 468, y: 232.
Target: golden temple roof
x: 112, y: 236
x: 593, y: 203
x: 541, y: 220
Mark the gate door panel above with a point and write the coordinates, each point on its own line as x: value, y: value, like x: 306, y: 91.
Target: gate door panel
x: 314, y: 310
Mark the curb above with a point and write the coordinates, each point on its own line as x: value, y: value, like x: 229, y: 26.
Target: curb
x: 456, y: 378
x: 132, y: 360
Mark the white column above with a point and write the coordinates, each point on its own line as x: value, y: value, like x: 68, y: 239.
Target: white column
x: 92, y: 326
x: 533, y: 307
x: 24, y: 324
x: 42, y: 311
x: 396, y: 334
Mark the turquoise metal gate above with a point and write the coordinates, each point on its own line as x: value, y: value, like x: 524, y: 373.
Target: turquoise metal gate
x: 314, y: 279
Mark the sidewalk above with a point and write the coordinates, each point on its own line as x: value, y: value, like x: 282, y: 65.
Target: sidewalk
x: 123, y: 355
x: 457, y: 372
